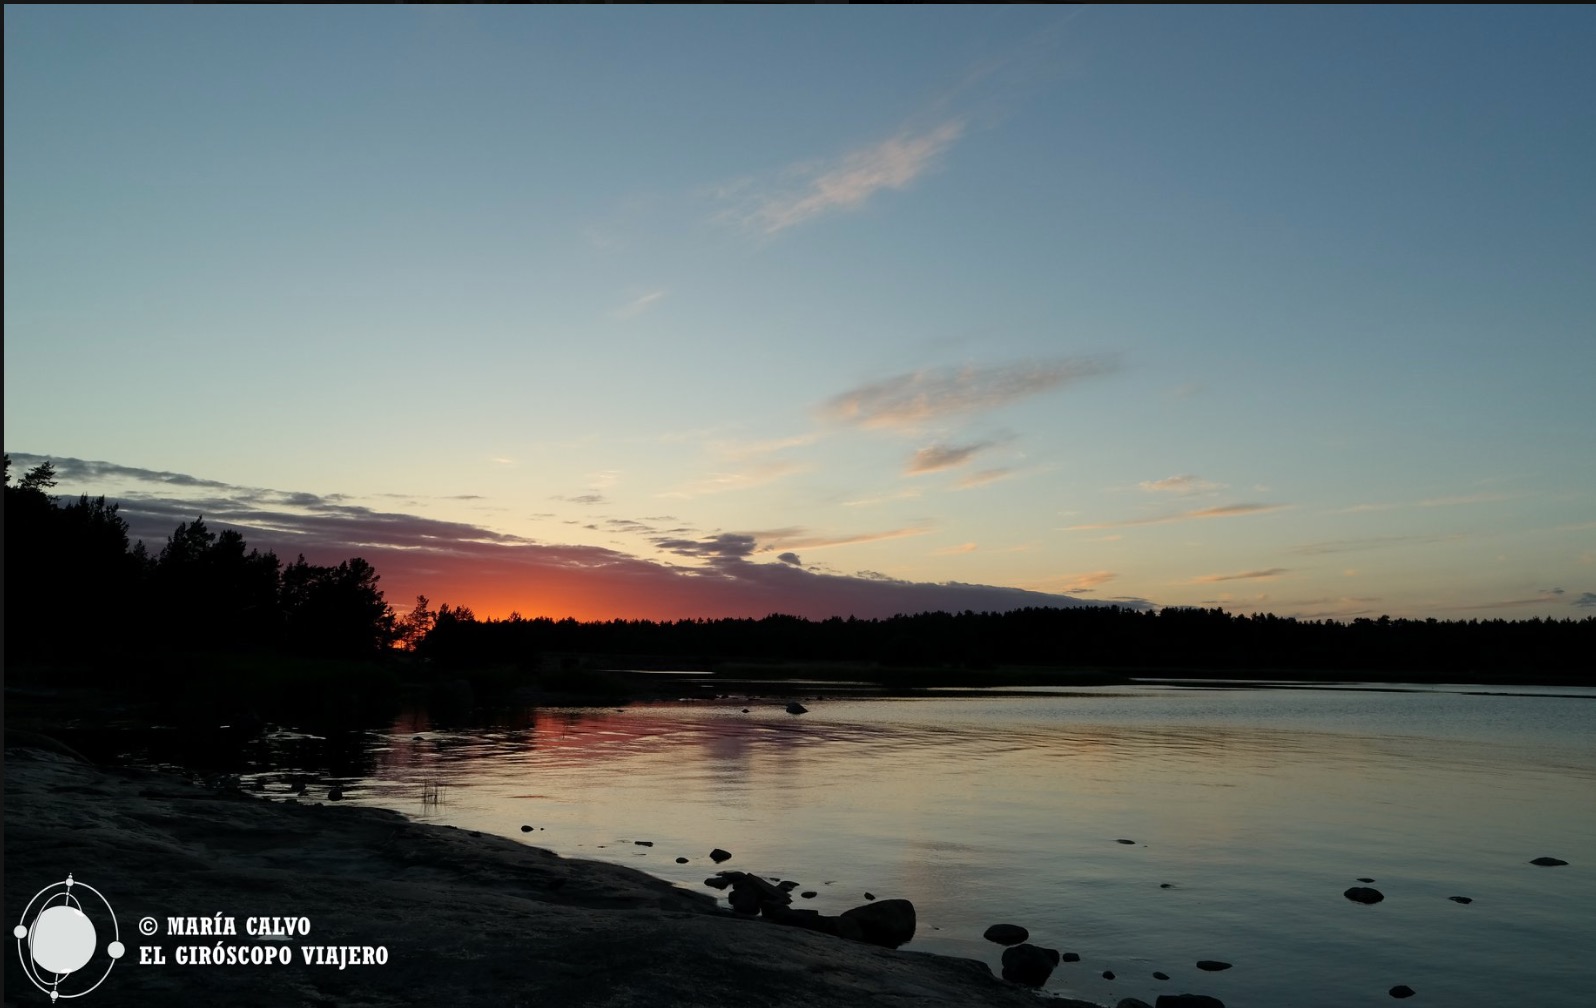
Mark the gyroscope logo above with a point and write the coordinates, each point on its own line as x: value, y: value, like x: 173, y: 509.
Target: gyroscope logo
x: 57, y: 938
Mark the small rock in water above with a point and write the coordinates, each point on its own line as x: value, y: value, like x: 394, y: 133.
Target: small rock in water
x: 1401, y: 991
x: 644, y: 843
x: 335, y: 794
x: 1157, y: 975
x: 1124, y: 841
x: 1006, y: 934
x: 1548, y: 862
x: 870, y: 895
x: 1108, y: 974
x: 1365, y: 880
x: 718, y: 882
x: 1460, y: 899
x: 1165, y: 885
x: 681, y: 860
x: 797, y: 708
x: 717, y: 855
x: 1029, y: 965
x: 1212, y: 965
x: 1363, y: 894
x: 1071, y: 957
x: 745, y: 710
x: 787, y: 886
x: 526, y: 829
x: 809, y: 894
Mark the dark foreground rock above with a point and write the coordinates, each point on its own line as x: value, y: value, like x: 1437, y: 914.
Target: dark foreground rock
x: 888, y: 923
x: 1029, y: 965
x: 1187, y: 1001
x: 466, y: 921
x: 1363, y: 894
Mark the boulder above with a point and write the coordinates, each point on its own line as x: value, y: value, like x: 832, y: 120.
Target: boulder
x: 1460, y: 899
x: 717, y: 855
x: 1401, y: 991
x: 889, y: 923
x: 797, y: 708
x: 750, y: 893
x: 1212, y: 965
x: 1006, y: 934
x: 1363, y: 894
x: 1029, y: 965
x: 1071, y: 957
x: 1548, y: 862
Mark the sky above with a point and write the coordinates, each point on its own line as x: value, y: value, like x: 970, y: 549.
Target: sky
x: 666, y: 312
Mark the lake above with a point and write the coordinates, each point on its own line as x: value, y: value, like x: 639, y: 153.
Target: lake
x: 1249, y: 810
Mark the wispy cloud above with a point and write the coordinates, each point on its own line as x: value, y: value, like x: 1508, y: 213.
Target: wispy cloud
x: 747, y: 479
x: 809, y: 190
x: 1077, y: 583
x: 798, y: 538
x: 1371, y: 543
x: 983, y: 477
x: 1430, y: 502
x: 1257, y: 575
x: 1549, y: 596
x: 937, y: 457
x: 968, y: 547
x: 907, y: 493
x: 1226, y: 511
x: 1182, y: 486
x: 907, y: 401
x: 638, y: 305
x: 1586, y: 600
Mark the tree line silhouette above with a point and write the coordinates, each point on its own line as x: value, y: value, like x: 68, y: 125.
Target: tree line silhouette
x: 1173, y: 641
x: 76, y: 584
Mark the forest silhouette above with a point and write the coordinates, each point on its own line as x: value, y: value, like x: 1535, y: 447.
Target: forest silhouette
x: 77, y: 586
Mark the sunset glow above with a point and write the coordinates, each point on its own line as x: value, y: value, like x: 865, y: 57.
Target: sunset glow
x: 679, y: 312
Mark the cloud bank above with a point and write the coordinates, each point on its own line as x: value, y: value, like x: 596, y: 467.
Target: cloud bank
x: 495, y: 573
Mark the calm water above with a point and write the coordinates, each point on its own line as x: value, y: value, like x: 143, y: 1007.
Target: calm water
x: 1251, y: 810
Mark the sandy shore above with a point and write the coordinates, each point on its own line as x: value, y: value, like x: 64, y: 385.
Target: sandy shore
x: 463, y: 919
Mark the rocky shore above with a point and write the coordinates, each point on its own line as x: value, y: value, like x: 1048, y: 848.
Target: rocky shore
x: 454, y: 917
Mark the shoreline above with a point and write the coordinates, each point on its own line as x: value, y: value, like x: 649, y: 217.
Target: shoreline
x: 463, y: 917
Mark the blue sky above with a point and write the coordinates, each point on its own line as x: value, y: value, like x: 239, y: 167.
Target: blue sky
x: 1279, y: 309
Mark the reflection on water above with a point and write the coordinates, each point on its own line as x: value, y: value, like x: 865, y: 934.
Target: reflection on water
x: 1251, y: 811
